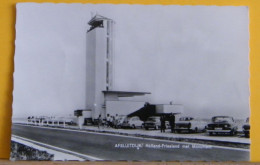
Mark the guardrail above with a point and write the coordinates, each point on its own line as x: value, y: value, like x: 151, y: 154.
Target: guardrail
x: 51, y: 122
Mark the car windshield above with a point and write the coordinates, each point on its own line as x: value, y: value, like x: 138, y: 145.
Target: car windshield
x: 185, y: 119
x: 134, y: 118
x: 153, y: 119
x: 222, y: 119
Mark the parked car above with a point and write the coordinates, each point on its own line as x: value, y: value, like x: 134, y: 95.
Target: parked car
x: 222, y: 125
x: 152, y: 122
x: 246, y: 128
x: 190, y: 124
x: 132, y: 122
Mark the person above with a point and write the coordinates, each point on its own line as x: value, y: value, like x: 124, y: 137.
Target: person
x: 108, y: 121
x: 99, y: 121
x: 162, y: 119
x: 172, y: 123
x: 112, y: 121
x: 116, y: 121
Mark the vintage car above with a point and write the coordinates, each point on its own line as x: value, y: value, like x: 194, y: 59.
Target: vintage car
x: 246, y: 128
x: 190, y: 124
x: 222, y: 125
x: 154, y: 123
x: 132, y: 122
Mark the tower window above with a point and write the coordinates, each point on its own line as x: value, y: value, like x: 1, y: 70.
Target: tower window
x: 107, y: 47
x: 108, y: 27
x: 107, y: 70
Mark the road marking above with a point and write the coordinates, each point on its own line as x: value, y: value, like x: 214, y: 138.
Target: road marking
x: 86, y: 157
x: 133, y: 137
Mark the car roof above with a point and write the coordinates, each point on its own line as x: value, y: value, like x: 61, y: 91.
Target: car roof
x: 135, y: 117
x: 222, y: 116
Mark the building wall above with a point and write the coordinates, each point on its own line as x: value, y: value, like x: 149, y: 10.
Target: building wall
x: 167, y: 108
x: 122, y: 107
x: 90, y: 67
x: 110, y: 52
x: 100, y: 71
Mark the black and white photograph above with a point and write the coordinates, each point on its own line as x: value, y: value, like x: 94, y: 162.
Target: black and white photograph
x: 107, y: 82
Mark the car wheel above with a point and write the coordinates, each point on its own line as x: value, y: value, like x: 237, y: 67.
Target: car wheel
x: 146, y: 128
x: 133, y: 126
x: 210, y: 134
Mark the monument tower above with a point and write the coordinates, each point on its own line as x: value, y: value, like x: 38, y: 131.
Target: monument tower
x: 99, y: 62
x: 100, y: 50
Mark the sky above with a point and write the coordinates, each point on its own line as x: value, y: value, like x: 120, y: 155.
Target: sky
x: 197, y: 56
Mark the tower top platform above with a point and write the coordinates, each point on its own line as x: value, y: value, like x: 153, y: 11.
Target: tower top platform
x: 97, y: 21
x: 97, y: 18
x: 126, y: 93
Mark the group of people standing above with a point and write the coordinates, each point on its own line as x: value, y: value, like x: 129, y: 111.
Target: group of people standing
x: 171, y: 119
x: 109, y: 121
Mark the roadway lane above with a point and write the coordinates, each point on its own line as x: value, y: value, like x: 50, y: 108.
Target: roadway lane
x: 112, y: 147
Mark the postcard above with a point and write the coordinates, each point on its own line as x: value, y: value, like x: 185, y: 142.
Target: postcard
x: 97, y: 82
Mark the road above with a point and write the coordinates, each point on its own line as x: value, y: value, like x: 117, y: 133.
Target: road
x: 119, y: 147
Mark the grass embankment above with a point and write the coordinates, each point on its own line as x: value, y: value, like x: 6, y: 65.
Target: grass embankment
x: 22, y: 152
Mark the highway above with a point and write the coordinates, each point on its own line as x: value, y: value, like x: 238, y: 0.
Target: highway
x: 119, y: 147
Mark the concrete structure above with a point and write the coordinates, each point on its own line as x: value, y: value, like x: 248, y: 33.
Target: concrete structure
x: 169, y: 108
x: 100, y: 49
x: 123, y: 107
x: 99, y: 62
